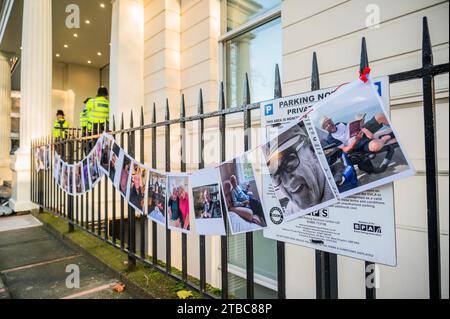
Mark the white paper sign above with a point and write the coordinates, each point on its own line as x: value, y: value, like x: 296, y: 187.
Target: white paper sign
x: 360, y: 226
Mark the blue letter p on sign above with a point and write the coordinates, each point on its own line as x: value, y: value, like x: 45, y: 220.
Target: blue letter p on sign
x: 269, y: 109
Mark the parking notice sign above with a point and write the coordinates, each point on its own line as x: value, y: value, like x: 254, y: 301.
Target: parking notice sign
x: 361, y: 226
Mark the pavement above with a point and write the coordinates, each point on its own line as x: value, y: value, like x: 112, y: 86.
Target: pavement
x: 36, y: 265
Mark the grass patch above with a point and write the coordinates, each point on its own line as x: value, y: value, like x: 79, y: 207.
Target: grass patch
x: 152, y: 281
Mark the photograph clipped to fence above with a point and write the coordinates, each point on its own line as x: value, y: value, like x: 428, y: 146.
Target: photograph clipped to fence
x: 206, y: 196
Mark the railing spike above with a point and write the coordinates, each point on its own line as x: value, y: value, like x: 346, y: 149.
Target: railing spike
x: 315, y: 78
x: 122, y: 125
x: 142, y: 115
x: 278, y: 93
x: 154, y: 113
x: 167, y: 110
x: 131, y: 119
x: 222, y: 104
x: 427, y: 49
x: 200, y: 102
x: 113, y: 123
x: 182, y: 107
x: 364, y: 56
x: 247, y: 98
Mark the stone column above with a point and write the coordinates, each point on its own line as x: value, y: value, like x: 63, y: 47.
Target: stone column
x: 5, y: 118
x: 36, y: 91
x: 127, y: 59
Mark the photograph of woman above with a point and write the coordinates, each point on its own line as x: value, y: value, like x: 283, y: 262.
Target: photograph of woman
x: 139, y: 175
x: 178, y: 203
x: 124, y: 175
x: 156, y: 198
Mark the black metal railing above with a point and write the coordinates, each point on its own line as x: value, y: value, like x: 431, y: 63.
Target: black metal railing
x: 80, y: 211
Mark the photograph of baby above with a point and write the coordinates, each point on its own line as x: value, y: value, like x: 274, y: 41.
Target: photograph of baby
x: 86, y: 176
x: 114, y: 161
x: 178, y: 203
x: 124, y: 175
x: 78, y: 175
x: 300, y: 182
x: 358, y: 139
x: 156, y: 198
x: 242, y: 198
x: 137, y: 187
x: 207, y: 202
x: 93, y: 168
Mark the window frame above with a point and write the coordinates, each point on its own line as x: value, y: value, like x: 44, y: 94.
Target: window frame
x: 244, y: 28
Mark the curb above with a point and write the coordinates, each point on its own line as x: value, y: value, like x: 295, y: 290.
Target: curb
x: 136, y: 291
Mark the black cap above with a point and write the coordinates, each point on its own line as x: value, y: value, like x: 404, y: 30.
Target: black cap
x: 60, y: 112
x: 87, y: 100
x: 102, y: 91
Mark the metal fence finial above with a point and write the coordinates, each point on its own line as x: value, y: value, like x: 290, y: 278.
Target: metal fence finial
x: 247, y: 97
x: 222, y: 105
x: 131, y: 119
x: 364, y: 56
x: 154, y: 113
x: 142, y: 115
x: 200, y: 102
x: 182, y: 107
x: 278, y: 93
x: 315, y: 79
x: 427, y: 49
x: 167, y: 110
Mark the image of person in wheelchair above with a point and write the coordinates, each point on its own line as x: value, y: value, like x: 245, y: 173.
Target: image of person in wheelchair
x: 358, y: 151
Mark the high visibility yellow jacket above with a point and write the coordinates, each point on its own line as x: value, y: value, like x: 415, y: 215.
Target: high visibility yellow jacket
x: 84, y: 120
x: 98, y: 110
x: 60, y: 128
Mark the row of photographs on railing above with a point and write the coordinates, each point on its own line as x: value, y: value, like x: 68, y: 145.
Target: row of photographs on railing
x: 298, y: 165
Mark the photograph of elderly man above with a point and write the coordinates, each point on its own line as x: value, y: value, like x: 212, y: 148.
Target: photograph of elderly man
x: 296, y: 172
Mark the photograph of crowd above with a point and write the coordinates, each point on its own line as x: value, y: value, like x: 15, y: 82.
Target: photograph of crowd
x: 178, y: 203
x: 138, y: 182
x: 300, y: 182
x: 361, y: 146
x: 242, y: 198
x: 156, y: 198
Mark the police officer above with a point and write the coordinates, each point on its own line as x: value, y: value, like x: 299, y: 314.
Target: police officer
x: 98, y: 110
x: 60, y: 126
x: 86, y: 127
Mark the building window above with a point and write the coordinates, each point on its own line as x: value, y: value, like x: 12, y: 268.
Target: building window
x: 252, y: 44
x: 243, y: 11
x: 255, y: 52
